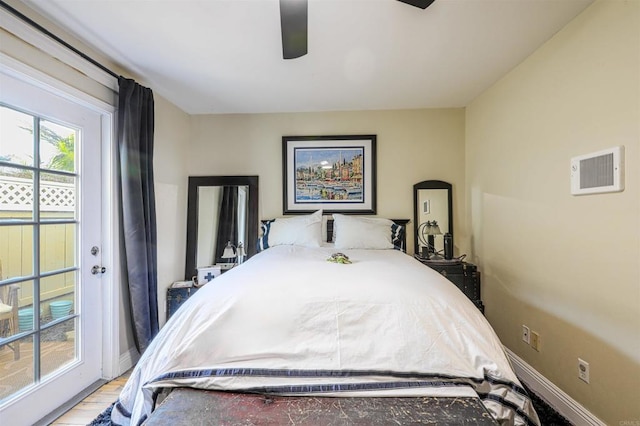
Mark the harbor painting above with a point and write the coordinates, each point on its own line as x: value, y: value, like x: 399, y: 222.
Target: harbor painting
x: 328, y: 174
x: 333, y: 173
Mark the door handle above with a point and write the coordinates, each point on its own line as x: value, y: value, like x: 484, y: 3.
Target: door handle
x: 98, y: 270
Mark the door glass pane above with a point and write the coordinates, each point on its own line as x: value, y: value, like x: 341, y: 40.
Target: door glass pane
x: 16, y: 193
x: 16, y: 137
x: 57, y: 246
x: 57, y: 296
x: 57, y: 146
x: 58, y: 346
x: 16, y: 251
x: 57, y: 196
x: 16, y: 371
x: 16, y: 309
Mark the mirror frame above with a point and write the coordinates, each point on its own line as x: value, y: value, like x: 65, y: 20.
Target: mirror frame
x: 195, y: 182
x: 430, y: 184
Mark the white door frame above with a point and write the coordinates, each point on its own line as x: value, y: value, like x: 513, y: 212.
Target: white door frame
x: 113, y: 365
x: 111, y: 281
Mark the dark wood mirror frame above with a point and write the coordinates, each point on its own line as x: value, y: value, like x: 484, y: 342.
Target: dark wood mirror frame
x: 196, y: 182
x: 430, y: 184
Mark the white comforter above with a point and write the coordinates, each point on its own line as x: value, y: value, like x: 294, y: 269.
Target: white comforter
x: 289, y: 322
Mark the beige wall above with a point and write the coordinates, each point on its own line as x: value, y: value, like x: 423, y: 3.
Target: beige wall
x: 412, y: 145
x: 172, y: 134
x: 566, y: 266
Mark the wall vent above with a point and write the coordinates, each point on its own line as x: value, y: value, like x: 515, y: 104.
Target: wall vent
x: 601, y: 171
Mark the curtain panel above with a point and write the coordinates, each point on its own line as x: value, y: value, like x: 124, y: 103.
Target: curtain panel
x: 135, y: 148
x: 228, y: 221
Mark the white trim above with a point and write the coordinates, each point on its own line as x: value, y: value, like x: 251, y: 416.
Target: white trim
x: 551, y: 394
x: 26, y: 32
x: 37, y: 78
x: 110, y: 258
x: 128, y: 360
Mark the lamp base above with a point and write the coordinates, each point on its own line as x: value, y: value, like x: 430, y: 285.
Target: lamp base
x: 225, y: 266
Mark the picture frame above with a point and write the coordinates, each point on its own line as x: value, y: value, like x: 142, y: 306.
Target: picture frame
x: 334, y: 173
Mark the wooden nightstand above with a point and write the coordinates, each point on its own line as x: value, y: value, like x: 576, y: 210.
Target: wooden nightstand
x: 464, y: 275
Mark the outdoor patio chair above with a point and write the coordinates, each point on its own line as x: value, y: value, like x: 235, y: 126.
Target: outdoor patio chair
x: 9, y: 315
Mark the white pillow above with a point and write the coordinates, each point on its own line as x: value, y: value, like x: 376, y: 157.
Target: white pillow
x: 300, y: 230
x: 352, y: 232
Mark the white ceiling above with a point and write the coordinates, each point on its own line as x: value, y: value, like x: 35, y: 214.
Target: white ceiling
x: 225, y: 56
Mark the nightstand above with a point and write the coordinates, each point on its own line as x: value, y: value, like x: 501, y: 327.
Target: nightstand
x: 464, y: 275
x: 176, y: 296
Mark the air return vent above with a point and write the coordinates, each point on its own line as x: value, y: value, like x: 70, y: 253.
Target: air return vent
x: 601, y: 171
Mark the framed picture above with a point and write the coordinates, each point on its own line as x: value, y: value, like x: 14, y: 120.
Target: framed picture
x: 334, y: 173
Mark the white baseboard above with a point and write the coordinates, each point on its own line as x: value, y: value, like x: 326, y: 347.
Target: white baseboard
x: 551, y: 394
x: 128, y: 360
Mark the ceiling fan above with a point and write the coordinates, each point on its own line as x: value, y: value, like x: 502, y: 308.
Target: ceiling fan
x: 293, y: 24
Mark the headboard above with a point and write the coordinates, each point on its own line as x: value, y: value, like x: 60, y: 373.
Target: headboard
x: 401, y: 244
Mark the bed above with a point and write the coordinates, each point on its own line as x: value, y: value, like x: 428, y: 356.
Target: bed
x: 295, y: 321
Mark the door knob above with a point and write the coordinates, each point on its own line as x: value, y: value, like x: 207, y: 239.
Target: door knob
x: 98, y: 270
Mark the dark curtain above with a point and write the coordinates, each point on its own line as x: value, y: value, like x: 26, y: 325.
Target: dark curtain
x: 135, y: 146
x: 227, y: 220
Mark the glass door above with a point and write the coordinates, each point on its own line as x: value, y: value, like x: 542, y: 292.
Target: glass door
x: 50, y: 238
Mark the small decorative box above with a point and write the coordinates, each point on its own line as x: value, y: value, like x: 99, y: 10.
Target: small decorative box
x: 207, y: 273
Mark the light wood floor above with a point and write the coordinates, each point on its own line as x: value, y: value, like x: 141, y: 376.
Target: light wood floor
x: 87, y: 410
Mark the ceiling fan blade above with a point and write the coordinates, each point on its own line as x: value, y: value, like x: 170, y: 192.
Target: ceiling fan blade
x: 293, y: 22
x: 422, y: 4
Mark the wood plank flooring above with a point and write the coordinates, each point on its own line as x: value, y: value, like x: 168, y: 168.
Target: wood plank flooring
x: 94, y: 404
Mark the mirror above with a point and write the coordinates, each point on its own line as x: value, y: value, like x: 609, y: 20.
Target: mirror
x: 432, y: 201
x: 220, y: 209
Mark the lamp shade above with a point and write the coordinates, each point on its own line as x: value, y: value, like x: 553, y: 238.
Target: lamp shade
x: 229, y: 251
x: 434, y: 229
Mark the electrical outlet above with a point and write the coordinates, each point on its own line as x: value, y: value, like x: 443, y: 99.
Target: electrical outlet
x: 535, y: 340
x: 525, y: 334
x: 583, y: 370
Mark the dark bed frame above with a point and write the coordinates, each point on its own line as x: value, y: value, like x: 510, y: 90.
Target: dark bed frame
x: 187, y: 406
